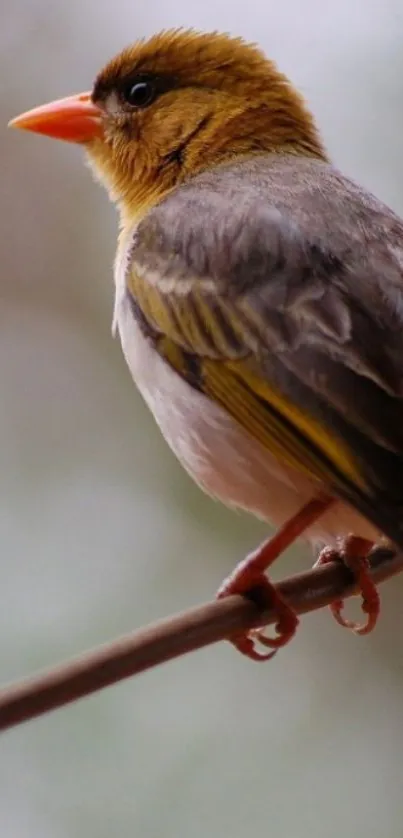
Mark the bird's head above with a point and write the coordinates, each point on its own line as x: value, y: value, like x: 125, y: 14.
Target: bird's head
x: 166, y: 108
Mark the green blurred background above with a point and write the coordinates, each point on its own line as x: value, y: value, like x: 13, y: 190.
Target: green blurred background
x: 101, y: 531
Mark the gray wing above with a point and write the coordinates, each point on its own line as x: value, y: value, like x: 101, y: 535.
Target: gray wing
x: 309, y: 267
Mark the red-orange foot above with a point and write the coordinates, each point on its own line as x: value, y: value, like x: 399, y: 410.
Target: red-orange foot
x: 255, y: 585
x: 353, y: 552
x: 249, y: 579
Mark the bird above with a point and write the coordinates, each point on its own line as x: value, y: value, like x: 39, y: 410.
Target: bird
x: 258, y: 300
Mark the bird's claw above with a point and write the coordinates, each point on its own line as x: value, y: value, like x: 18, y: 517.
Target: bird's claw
x: 249, y: 579
x: 353, y: 552
x: 257, y: 587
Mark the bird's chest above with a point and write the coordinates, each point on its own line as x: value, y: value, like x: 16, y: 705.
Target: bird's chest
x: 211, y: 446
x: 193, y: 426
x: 226, y: 461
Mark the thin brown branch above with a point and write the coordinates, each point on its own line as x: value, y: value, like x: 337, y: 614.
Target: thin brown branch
x: 176, y: 636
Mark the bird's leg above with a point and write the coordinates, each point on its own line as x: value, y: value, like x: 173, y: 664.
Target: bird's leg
x: 249, y: 579
x: 353, y: 552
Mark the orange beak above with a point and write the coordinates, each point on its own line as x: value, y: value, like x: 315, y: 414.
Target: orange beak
x: 75, y: 119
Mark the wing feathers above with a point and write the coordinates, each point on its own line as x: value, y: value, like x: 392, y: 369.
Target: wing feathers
x: 290, y: 315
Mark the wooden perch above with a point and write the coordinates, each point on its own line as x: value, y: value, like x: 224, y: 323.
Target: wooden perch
x: 176, y: 636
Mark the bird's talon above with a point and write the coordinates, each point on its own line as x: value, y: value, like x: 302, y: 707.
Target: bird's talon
x: 354, y: 552
x: 258, y: 588
x: 283, y: 634
x: 246, y: 645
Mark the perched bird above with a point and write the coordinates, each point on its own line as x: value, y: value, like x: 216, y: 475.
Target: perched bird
x: 259, y: 298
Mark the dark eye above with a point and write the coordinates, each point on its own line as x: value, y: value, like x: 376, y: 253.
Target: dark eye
x: 139, y: 94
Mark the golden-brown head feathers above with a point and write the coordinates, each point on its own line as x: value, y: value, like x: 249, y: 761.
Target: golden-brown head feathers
x: 206, y: 98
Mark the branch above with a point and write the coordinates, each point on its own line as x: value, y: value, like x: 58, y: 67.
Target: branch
x: 176, y: 636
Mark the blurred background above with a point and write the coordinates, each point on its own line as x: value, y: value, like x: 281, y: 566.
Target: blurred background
x: 101, y: 531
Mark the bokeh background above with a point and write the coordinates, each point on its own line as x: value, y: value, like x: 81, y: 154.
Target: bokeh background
x: 101, y: 531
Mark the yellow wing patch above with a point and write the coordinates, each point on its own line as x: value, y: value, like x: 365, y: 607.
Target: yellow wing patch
x: 309, y: 428
x: 291, y: 436
x: 196, y: 333
x: 199, y: 324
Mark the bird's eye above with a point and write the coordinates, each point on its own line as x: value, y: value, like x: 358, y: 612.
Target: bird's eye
x: 139, y: 94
